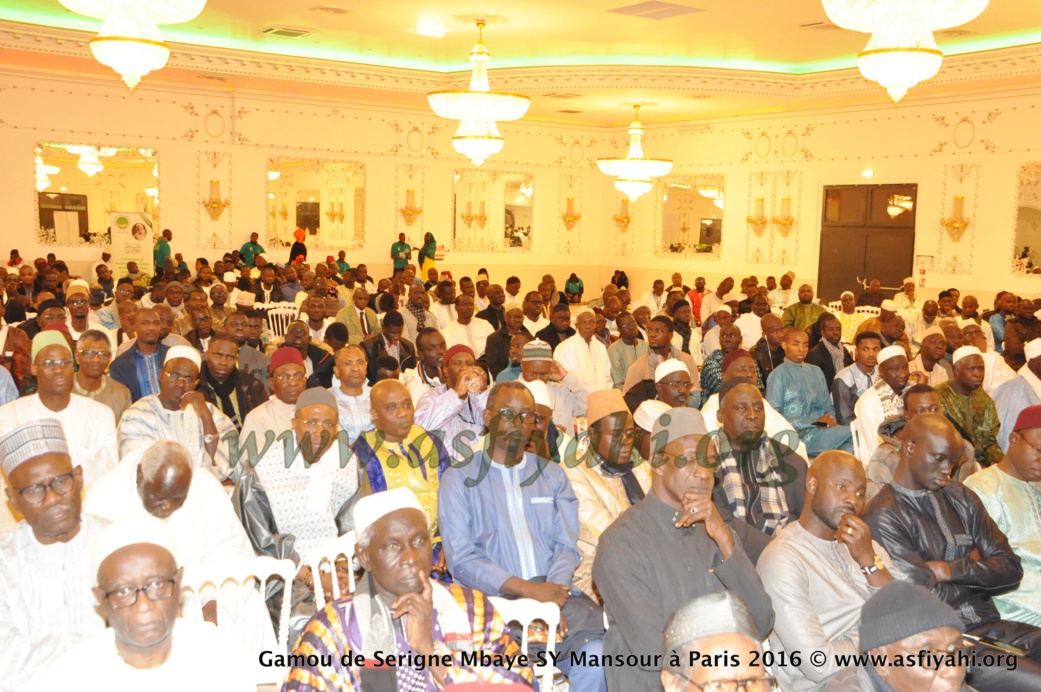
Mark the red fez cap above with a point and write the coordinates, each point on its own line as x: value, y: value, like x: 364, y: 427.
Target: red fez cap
x: 457, y: 349
x: 734, y: 355
x: 1030, y: 417
x: 286, y: 355
x: 330, y: 258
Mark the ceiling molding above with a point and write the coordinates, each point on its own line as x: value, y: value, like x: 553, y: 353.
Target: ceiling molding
x: 957, y: 69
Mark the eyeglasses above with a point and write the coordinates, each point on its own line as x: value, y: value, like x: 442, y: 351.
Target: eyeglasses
x: 293, y: 377
x: 77, y: 303
x: 524, y: 417
x: 156, y: 590
x: 54, y: 363
x: 176, y: 378
x: 678, y: 385
x: 61, y: 485
x: 320, y: 424
x: 766, y: 684
x: 91, y: 354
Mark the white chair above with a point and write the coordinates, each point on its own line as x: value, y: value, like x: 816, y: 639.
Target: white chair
x: 323, y: 559
x: 867, y: 310
x: 835, y: 306
x: 525, y: 611
x: 280, y: 316
x: 246, y: 574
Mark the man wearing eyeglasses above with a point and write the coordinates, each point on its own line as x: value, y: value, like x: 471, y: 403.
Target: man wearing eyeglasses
x: 93, y: 355
x: 702, y: 631
x: 44, y: 560
x: 147, y: 646
x: 509, y: 523
x: 179, y: 412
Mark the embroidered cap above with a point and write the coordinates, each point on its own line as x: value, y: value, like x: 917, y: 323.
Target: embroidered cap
x: 537, y: 351
x: 31, y: 440
x: 186, y: 352
x: 648, y: 412
x: 706, y: 616
x: 667, y: 367
x: 891, y: 352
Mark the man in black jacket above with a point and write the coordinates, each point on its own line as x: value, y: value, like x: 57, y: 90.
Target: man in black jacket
x: 559, y: 326
x: 388, y: 342
x: 940, y: 535
x: 494, y: 313
x: 298, y: 336
x: 826, y: 354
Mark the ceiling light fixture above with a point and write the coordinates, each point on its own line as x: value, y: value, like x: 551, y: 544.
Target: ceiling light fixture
x: 478, y: 108
x: 634, y: 173
x: 902, y: 51
x: 129, y: 40
x: 431, y: 30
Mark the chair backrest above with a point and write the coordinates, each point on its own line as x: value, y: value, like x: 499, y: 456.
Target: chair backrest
x: 323, y: 559
x: 835, y: 306
x: 867, y: 310
x: 246, y: 573
x: 280, y: 316
x: 525, y: 611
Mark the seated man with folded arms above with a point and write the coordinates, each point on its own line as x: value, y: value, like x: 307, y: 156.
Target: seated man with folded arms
x: 147, y: 646
x: 820, y: 569
x: 940, y: 535
x: 397, y: 609
x: 1011, y: 492
x: 510, y: 527
x: 45, y: 601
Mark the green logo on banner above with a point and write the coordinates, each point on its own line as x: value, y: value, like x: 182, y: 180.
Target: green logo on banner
x: 122, y: 223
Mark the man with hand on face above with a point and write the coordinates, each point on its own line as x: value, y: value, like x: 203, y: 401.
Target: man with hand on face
x: 931, y: 360
x: 44, y: 559
x: 820, y: 569
x: 559, y: 327
x: 234, y: 392
x: 318, y: 362
x: 798, y: 392
x: 940, y: 535
x: 567, y: 393
x: 400, y: 454
x: 669, y: 548
x: 510, y: 527
x: 251, y: 361
x: 410, y: 614
x: 388, y: 342
x: 179, y: 412
x: 969, y: 407
x: 454, y: 410
x: 1011, y: 491
x: 426, y: 375
x: 147, y: 645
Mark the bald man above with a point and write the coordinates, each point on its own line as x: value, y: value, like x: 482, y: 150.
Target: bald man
x: 400, y: 454
x: 820, y: 569
x: 940, y: 535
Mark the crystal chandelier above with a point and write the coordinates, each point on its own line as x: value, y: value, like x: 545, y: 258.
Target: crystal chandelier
x: 478, y: 108
x: 634, y: 173
x: 129, y: 40
x: 901, y: 52
x: 43, y: 173
x: 90, y: 157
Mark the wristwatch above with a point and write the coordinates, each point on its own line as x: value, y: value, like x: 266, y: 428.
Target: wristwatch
x: 875, y: 566
x: 207, y: 439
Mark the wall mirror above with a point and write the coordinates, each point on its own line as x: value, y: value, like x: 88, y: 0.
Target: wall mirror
x: 79, y: 187
x: 324, y: 198
x: 1026, y: 257
x: 691, y: 212
x: 493, y: 211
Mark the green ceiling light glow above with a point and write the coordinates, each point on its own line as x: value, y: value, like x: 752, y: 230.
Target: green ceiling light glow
x: 50, y: 14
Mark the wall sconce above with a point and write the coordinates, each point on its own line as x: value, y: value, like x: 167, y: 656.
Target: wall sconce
x: 339, y: 212
x: 957, y: 224
x: 214, y: 206
x: 283, y: 212
x: 784, y: 222
x: 570, y: 217
x: 758, y: 220
x: 410, y: 212
x: 481, y: 219
x: 622, y: 218
x: 330, y: 213
x: 468, y: 216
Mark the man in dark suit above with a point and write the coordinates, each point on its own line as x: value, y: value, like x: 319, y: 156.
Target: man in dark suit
x: 298, y: 336
x: 138, y: 364
x: 267, y: 289
x: 494, y: 313
x: 388, y: 342
x: 829, y: 351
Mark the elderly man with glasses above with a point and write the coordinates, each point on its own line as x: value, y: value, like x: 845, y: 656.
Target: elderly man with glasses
x: 93, y: 355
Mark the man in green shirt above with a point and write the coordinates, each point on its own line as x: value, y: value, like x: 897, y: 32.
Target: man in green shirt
x: 251, y: 249
x: 161, y: 250
x: 341, y: 262
x: 804, y: 313
x: 400, y: 252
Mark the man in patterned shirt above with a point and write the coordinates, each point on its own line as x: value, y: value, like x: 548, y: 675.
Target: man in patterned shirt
x: 431, y: 629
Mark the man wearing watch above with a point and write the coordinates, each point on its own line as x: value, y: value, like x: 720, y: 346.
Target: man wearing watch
x: 820, y: 569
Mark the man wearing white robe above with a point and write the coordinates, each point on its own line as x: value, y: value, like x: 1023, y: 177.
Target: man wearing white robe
x: 567, y: 393
x: 159, y: 481
x: 45, y: 601
x: 88, y: 425
x: 275, y: 416
x: 585, y: 356
x: 467, y: 330
x: 352, y: 394
x: 1018, y: 393
x: 179, y: 412
x: 880, y: 402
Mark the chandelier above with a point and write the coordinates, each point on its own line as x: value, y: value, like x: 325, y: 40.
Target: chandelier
x: 902, y: 51
x: 478, y: 108
x: 129, y: 40
x: 90, y: 157
x: 634, y: 173
x: 43, y: 173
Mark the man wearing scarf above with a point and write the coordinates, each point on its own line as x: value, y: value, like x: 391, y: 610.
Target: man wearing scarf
x: 759, y: 481
x: 608, y: 479
x: 231, y: 390
x: 1020, y: 392
x: 398, y: 609
x: 880, y: 402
